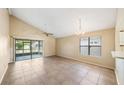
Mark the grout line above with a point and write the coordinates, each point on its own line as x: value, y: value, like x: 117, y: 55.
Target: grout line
x: 98, y: 79
x: 88, y: 71
x: 79, y: 61
x: 84, y: 76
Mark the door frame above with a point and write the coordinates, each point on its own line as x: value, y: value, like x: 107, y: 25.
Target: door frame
x: 14, y: 48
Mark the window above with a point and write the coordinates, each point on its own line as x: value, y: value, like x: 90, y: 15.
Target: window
x: 90, y: 46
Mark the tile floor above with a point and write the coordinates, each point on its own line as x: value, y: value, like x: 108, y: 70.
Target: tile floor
x: 57, y: 71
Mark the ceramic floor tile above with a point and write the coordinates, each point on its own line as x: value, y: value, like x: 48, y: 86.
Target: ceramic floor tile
x: 87, y: 82
x: 57, y: 71
x: 92, y: 77
x: 19, y: 81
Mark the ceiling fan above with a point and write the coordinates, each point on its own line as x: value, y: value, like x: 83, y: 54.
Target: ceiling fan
x: 47, y: 34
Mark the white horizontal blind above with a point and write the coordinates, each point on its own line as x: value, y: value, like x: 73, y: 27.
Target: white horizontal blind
x: 90, y: 46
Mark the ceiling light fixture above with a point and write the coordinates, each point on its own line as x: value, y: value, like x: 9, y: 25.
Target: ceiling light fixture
x: 80, y: 31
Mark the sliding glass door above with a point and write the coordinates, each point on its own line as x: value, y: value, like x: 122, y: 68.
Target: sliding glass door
x: 36, y: 49
x: 28, y: 49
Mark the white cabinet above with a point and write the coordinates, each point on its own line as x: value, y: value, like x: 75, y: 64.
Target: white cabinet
x: 121, y: 38
x: 120, y: 70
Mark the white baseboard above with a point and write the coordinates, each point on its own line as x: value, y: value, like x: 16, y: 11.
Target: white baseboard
x: 86, y: 62
x: 3, y: 74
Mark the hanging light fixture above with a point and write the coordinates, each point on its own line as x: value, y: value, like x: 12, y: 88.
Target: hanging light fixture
x: 80, y: 31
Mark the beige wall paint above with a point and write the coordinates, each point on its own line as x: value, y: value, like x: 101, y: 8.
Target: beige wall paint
x: 22, y: 30
x: 69, y: 47
x: 4, y: 42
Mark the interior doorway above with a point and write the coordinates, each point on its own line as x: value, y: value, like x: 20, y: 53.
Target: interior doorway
x: 28, y: 49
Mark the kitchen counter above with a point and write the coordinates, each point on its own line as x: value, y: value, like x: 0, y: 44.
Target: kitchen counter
x: 118, y: 54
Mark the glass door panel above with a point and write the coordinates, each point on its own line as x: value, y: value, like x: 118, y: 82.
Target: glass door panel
x: 23, y: 51
x: 19, y: 50
x: 36, y: 50
x: 27, y: 50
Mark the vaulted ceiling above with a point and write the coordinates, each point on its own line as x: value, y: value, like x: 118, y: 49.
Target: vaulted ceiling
x: 63, y: 21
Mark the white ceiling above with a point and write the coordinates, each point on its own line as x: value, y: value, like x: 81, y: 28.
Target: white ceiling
x: 62, y: 21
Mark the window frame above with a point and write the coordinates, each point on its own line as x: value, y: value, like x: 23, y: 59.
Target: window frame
x: 89, y: 46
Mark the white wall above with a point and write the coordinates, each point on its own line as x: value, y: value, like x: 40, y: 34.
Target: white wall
x: 119, y: 62
x: 120, y: 70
